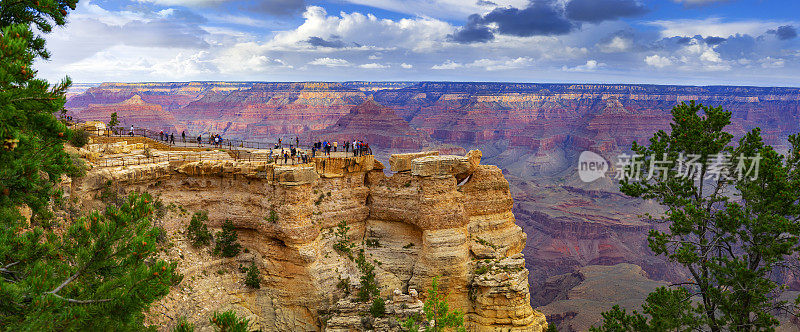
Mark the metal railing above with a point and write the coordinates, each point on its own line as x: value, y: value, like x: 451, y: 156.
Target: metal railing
x: 139, y: 160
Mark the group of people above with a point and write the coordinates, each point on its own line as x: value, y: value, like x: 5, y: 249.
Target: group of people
x: 295, y: 154
x: 170, y: 138
x: 358, y: 147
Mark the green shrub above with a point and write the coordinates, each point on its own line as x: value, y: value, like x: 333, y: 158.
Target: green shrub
x: 79, y: 138
x: 344, y: 285
x: 253, y: 277
x: 228, y: 322
x: 378, y: 307
x: 198, y: 231
x: 273, y: 217
x: 372, y: 243
x: 369, y: 287
x: 226, y: 241
x: 437, y: 309
x: 343, y: 245
x: 482, y: 269
x: 183, y: 326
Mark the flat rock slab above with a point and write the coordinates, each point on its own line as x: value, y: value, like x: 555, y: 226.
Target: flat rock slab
x: 401, y: 162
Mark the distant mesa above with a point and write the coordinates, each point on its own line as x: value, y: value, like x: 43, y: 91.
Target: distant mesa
x: 132, y: 111
x: 377, y: 125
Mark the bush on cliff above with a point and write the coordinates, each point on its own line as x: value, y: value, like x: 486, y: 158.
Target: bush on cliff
x: 369, y: 286
x: 79, y: 138
x: 229, y: 322
x: 378, y: 307
x: 343, y: 244
x: 227, y: 244
x: 197, y: 232
x: 732, y: 211
x: 437, y: 310
x: 253, y: 277
x: 183, y: 326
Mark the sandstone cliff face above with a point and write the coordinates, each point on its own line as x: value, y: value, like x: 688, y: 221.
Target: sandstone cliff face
x: 447, y: 216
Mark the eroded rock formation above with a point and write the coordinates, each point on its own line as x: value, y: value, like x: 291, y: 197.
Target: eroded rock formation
x: 446, y: 216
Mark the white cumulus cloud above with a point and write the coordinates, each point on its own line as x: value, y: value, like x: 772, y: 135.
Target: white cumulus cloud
x: 330, y: 62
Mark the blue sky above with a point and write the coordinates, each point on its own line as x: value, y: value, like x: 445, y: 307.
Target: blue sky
x: 694, y: 42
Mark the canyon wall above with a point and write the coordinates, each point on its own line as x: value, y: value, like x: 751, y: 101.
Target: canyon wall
x: 446, y: 216
x: 532, y: 132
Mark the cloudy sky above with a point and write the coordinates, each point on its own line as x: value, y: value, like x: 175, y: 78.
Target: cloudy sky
x: 698, y: 42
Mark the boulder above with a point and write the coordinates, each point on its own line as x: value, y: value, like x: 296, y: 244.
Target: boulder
x: 448, y: 165
x: 295, y: 175
x: 402, y: 162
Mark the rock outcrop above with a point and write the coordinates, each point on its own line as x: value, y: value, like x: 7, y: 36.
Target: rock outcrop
x: 449, y: 216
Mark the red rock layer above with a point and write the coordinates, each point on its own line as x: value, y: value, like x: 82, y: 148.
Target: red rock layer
x: 133, y: 111
x: 375, y: 124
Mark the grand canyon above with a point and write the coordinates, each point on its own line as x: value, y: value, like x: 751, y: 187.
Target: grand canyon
x: 532, y: 132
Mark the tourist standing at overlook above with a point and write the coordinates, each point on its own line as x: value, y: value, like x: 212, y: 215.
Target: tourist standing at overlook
x: 131, y: 132
x: 172, y: 138
x: 183, y: 136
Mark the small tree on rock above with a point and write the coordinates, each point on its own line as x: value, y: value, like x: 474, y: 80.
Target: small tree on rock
x: 197, y: 232
x: 229, y: 322
x: 437, y: 310
x: 253, y: 277
x: 227, y: 244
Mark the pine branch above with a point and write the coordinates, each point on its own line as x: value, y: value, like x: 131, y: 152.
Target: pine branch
x: 74, y: 301
x: 65, y: 283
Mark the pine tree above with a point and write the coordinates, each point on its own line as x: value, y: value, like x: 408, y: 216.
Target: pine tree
x: 253, y: 277
x: 197, y: 231
x: 731, y: 228
x: 437, y: 310
x: 226, y: 241
x: 229, y: 322
x: 32, y: 155
x: 113, y: 122
x: 99, y: 274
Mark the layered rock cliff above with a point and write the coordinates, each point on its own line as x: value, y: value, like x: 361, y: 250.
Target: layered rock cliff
x: 446, y: 216
x: 533, y: 132
x: 132, y: 111
x: 377, y: 125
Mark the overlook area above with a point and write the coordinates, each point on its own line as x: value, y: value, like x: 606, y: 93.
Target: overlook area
x: 436, y: 215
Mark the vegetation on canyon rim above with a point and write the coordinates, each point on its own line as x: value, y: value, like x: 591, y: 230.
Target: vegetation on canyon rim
x: 99, y: 272
x: 732, y: 234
